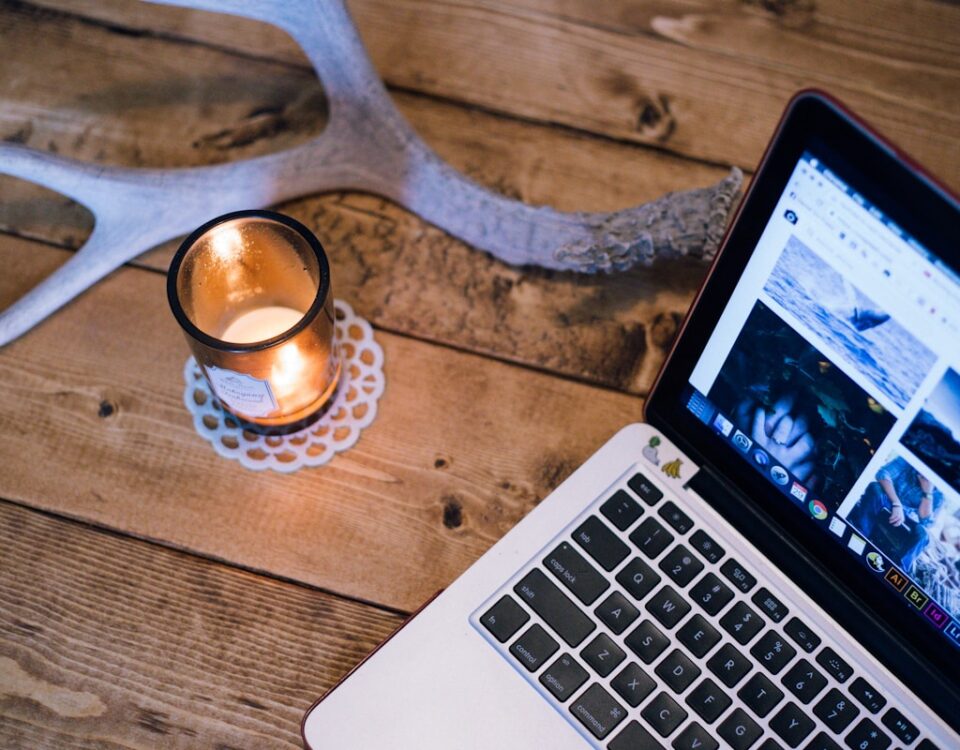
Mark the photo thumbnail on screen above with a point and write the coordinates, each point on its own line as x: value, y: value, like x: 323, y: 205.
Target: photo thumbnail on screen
x: 906, y: 514
x: 934, y: 434
x: 849, y: 321
x: 798, y: 407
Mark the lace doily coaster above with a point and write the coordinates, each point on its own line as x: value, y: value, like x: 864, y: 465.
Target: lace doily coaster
x: 354, y: 407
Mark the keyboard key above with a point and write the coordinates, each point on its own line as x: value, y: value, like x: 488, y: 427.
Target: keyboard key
x: 801, y: 635
x: 645, y: 489
x: 804, y: 681
x: 729, y: 665
x: 574, y: 572
x: 739, y: 730
x: 926, y: 744
x: 698, y: 635
x: 598, y: 711
x: 867, y: 695
x: 694, y: 737
x: 504, y: 618
x: 621, y: 510
x: 677, y: 671
x: 564, y: 677
x: 835, y: 666
x: 708, y: 700
x: 711, y: 593
x: 681, y: 565
x: 760, y: 695
x: 548, y: 601
x: 633, y: 684
x: 634, y: 737
x: 822, y: 741
x: 706, y: 546
x: 603, y: 654
x: 677, y: 519
x: 600, y: 543
x: 903, y: 729
x: 646, y: 641
x: 734, y: 572
x: 742, y: 623
x: 668, y: 606
x: 773, y: 652
x: 638, y: 578
x: 836, y: 710
x: 533, y: 648
x: 867, y: 736
x: 616, y: 612
x: 770, y: 605
x: 664, y: 714
x: 769, y: 744
x: 791, y: 724
x: 651, y: 537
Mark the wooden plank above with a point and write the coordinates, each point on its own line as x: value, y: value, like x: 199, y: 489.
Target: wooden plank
x: 395, y: 269
x: 462, y: 448
x: 110, y: 642
x: 706, y: 80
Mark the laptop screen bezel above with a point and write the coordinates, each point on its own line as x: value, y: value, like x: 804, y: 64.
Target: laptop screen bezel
x: 925, y: 209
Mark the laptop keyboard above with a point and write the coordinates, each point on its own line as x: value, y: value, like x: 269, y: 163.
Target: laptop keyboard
x: 646, y: 633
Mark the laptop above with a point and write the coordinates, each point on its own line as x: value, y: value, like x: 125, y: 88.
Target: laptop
x: 771, y: 560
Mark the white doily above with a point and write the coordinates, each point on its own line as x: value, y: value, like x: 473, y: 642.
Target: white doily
x: 354, y: 407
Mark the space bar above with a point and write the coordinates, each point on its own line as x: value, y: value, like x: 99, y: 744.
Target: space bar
x: 554, y: 607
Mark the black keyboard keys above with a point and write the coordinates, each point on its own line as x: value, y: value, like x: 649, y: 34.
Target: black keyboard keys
x: 706, y: 546
x: 773, y: 652
x: 564, y: 677
x: 677, y: 519
x: 504, y: 618
x: 867, y: 736
x: 836, y: 667
x: 533, y: 648
x: 645, y: 489
x: 822, y: 741
x: 603, y: 654
x: 633, y: 684
x: 638, y: 578
x: 742, y: 623
x: 711, y: 593
x: 734, y: 572
x: 698, y: 635
x: 867, y: 695
x: 739, y: 730
x: 600, y: 543
x: 681, y: 565
x: 677, y: 671
x: 903, y: 729
x: 708, y: 700
x: 760, y: 695
x: 621, y: 510
x: 597, y: 710
x: 634, y: 737
x: 617, y: 612
x: 729, y: 665
x: 554, y: 607
x: 801, y: 635
x: 647, y: 641
x: 791, y: 724
x: 804, y: 681
x: 836, y: 710
x: 770, y: 605
x: 574, y: 572
x: 694, y: 737
x: 668, y: 606
x: 651, y: 537
x: 664, y: 714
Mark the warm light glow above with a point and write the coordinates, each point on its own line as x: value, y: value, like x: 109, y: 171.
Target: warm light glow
x: 287, y: 373
x: 261, y: 324
x: 226, y: 242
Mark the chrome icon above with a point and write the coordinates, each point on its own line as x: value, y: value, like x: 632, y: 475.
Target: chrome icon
x: 818, y: 510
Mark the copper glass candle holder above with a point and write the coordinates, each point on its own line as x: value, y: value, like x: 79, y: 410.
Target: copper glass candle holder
x: 252, y: 292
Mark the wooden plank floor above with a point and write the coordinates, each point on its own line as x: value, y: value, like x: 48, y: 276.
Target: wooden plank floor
x: 153, y: 595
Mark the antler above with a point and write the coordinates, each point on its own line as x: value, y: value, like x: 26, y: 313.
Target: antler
x: 367, y: 146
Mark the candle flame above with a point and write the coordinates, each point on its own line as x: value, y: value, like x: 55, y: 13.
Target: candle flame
x: 288, y: 370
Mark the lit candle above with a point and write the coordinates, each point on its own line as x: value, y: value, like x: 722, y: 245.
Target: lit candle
x: 261, y: 324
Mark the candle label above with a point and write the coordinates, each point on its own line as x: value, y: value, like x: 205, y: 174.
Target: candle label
x: 243, y: 394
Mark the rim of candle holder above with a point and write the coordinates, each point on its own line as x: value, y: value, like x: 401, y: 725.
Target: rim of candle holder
x: 351, y: 410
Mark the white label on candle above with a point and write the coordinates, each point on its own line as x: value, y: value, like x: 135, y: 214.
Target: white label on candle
x: 243, y: 394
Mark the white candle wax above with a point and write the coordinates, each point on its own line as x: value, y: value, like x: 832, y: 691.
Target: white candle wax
x: 261, y: 324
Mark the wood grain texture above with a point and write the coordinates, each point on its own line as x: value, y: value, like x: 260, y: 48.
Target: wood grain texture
x: 114, y: 643
x: 698, y: 78
x: 462, y: 448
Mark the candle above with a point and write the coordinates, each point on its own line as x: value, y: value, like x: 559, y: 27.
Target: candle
x: 252, y: 292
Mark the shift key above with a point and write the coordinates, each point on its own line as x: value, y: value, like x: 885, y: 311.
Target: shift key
x: 548, y: 601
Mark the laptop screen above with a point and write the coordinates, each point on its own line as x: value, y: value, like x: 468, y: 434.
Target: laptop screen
x: 834, y: 372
